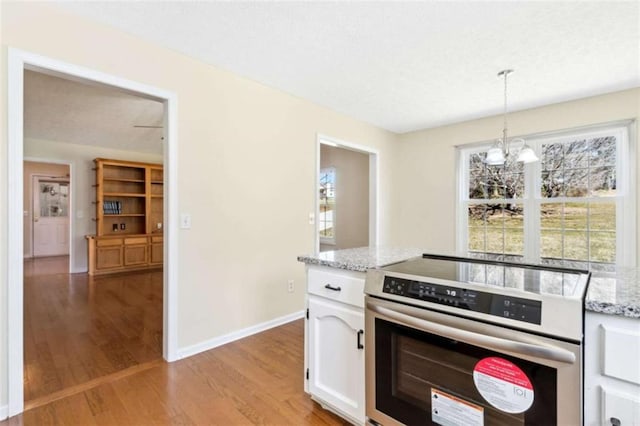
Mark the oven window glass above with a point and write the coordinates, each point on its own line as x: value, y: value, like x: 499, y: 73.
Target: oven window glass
x: 413, y: 366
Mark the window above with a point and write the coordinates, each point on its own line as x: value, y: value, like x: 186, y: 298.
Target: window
x: 327, y: 205
x: 576, y: 203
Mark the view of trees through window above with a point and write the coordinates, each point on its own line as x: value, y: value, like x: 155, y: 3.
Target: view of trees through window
x: 574, y: 207
x: 327, y: 203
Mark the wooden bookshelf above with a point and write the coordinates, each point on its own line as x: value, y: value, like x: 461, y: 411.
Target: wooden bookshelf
x: 128, y: 217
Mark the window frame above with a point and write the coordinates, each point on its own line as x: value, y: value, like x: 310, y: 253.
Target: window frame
x: 328, y: 240
x: 625, y: 199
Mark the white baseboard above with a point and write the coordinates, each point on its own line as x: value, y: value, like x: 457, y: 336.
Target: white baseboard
x: 236, y: 335
x: 4, y: 412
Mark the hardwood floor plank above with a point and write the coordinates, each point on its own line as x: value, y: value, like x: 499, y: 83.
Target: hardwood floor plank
x: 79, y: 328
x: 254, y: 381
x: 82, y: 387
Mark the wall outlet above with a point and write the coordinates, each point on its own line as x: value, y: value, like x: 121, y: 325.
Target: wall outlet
x: 290, y: 286
x: 312, y: 218
x: 123, y: 226
x: 159, y: 225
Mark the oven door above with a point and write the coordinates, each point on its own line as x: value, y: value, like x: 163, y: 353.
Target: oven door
x: 424, y: 367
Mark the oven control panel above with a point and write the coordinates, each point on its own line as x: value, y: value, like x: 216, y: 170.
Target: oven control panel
x: 516, y: 308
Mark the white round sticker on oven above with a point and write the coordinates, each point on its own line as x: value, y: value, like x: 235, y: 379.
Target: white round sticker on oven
x: 503, y: 384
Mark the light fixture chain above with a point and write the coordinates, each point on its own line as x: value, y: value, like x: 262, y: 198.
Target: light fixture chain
x: 499, y: 151
x: 504, y: 128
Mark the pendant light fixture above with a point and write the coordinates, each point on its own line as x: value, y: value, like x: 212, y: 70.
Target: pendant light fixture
x: 499, y: 151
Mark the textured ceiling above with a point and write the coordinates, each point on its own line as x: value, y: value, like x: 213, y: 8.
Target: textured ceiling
x: 401, y: 65
x: 73, y: 112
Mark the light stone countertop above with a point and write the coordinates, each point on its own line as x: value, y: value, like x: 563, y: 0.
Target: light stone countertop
x: 362, y: 258
x: 612, y: 290
x: 615, y: 292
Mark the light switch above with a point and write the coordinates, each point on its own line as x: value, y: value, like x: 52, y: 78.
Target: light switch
x: 185, y: 221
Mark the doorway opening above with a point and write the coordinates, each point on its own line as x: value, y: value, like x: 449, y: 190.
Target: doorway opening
x: 80, y: 286
x: 346, y: 195
x: 47, y: 195
x: 47, y: 221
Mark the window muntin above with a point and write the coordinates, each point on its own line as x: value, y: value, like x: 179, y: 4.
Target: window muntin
x: 568, y: 206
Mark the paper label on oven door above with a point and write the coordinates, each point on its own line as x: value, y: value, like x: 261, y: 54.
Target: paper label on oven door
x: 448, y: 410
x: 503, y: 384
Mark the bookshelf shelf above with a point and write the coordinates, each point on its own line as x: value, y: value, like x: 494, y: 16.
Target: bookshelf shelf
x: 129, y: 213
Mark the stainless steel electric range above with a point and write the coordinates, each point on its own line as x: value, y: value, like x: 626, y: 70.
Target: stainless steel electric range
x: 457, y: 341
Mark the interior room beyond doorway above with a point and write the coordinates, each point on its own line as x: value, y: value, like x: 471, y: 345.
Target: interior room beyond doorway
x: 343, y: 216
x: 80, y: 330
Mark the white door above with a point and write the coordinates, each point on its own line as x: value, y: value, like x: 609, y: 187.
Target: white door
x: 336, y: 356
x: 50, y: 217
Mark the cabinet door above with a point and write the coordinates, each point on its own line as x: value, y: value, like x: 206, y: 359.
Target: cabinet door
x: 156, y: 253
x: 135, y: 255
x: 109, y: 257
x: 336, y: 362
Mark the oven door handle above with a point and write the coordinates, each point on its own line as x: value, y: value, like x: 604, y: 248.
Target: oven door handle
x: 490, y: 342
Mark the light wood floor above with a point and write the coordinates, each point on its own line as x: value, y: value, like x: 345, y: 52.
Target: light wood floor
x: 256, y: 380
x: 79, y: 328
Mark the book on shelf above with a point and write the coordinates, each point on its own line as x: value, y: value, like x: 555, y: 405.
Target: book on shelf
x: 112, y: 207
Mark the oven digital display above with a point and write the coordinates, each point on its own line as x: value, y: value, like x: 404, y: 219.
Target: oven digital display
x: 516, y: 308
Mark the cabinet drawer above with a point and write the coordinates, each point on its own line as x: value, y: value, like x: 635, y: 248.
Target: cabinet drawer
x: 109, y: 242
x: 346, y: 287
x: 158, y: 239
x: 136, y: 240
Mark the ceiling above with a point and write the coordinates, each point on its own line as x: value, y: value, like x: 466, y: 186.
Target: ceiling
x: 401, y: 66
x: 56, y: 109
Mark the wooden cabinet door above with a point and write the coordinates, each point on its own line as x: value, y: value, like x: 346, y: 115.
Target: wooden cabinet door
x: 135, y: 255
x: 156, y: 253
x: 336, y: 358
x: 108, y: 257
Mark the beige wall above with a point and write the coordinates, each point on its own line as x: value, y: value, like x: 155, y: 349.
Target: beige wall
x: 83, y: 177
x: 352, y: 196
x: 235, y: 261
x: 424, y: 181
x: 30, y: 169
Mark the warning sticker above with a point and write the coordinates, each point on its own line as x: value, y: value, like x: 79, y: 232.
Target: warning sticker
x: 503, y: 384
x: 448, y: 410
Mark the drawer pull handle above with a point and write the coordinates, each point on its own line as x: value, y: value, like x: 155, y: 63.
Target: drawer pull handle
x: 360, y: 345
x: 330, y: 287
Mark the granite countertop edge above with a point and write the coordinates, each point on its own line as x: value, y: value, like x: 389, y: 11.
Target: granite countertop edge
x: 361, y: 259
x: 334, y: 264
x: 618, y: 309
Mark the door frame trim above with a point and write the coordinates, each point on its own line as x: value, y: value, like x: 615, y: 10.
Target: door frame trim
x: 17, y: 61
x: 374, y: 185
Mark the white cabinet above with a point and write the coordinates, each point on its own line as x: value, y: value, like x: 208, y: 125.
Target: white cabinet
x: 334, y: 338
x: 612, y: 370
